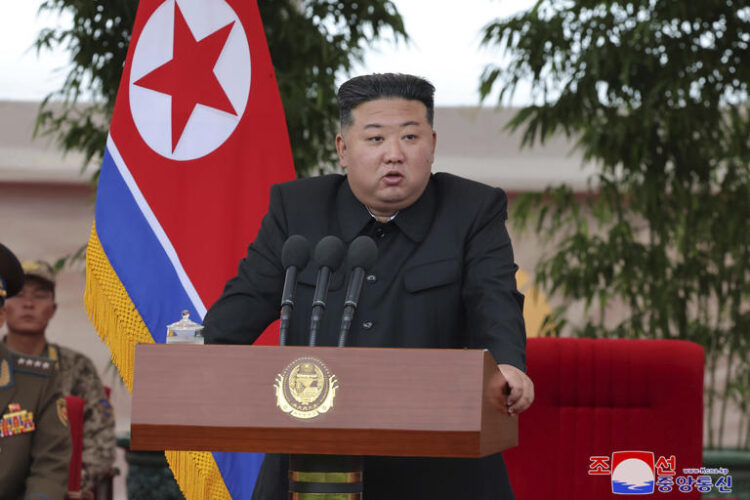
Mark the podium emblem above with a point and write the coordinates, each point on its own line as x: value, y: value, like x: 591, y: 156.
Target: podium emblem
x: 306, y: 388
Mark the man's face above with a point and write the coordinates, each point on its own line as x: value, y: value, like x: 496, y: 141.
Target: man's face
x: 388, y: 152
x: 29, y: 312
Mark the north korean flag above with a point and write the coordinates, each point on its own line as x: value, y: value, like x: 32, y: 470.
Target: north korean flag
x: 197, y: 138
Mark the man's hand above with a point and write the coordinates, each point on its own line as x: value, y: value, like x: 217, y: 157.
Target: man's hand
x: 521, y: 390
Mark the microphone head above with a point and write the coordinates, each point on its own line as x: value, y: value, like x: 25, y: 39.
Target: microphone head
x: 363, y: 252
x: 329, y: 252
x: 296, y: 252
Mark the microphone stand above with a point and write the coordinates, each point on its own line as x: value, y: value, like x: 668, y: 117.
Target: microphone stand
x: 350, y: 305
x: 294, y: 256
x: 319, y: 303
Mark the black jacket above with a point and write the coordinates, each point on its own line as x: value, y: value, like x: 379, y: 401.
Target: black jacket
x: 445, y: 278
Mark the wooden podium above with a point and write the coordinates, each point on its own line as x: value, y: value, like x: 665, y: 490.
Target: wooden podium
x: 389, y: 402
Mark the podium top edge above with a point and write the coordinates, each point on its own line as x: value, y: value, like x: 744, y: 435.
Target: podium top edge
x: 151, y: 345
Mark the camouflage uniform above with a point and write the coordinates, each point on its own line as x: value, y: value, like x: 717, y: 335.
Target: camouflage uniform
x: 80, y: 378
x: 33, y: 460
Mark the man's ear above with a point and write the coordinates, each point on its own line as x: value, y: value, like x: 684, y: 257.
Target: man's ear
x: 341, y: 150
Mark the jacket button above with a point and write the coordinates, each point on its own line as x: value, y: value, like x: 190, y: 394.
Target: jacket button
x: 371, y: 278
x: 367, y: 325
x: 380, y: 232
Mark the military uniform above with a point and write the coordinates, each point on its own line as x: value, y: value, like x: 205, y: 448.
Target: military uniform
x: 78, y: 377
x: 35, y: 445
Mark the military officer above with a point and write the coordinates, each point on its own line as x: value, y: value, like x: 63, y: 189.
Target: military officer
x: 27, y: 316
x: 35, y: 443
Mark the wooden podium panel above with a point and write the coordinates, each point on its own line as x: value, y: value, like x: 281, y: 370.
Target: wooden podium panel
x: 389, y: 402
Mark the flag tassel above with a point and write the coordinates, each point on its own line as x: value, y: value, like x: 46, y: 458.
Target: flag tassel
x: 111, y: 311
x: 121, y: 327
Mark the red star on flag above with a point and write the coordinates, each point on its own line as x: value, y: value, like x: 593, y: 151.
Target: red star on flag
x: 189, y: 76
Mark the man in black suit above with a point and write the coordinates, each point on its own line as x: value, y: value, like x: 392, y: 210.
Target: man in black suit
x: 445, y: 276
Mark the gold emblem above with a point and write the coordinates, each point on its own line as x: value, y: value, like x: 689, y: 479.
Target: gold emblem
x: 305, y: 388
x: 62, y: 411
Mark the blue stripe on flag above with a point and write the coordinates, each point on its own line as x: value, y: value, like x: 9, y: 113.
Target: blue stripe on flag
x: 137, y: 256
x: 240, y: 472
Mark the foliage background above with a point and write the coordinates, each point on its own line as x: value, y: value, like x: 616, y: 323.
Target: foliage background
x: 656, y: 95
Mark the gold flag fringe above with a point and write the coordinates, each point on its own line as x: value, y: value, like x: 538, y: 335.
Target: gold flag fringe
x: 110, y: 309
x: 121, y: 327
x: 198, y: 475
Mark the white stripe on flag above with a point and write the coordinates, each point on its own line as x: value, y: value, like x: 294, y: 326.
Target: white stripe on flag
x: 156, y: 228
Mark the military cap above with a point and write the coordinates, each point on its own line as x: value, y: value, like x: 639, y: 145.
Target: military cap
x: 40, y: 270
x: 11, y: 274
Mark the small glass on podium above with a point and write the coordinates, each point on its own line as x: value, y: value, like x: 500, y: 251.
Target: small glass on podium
x: 185, y: 331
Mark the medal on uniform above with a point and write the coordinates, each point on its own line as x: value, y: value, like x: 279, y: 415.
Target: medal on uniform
x: 16, y: 421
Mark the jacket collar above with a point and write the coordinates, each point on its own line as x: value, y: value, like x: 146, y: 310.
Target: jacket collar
x: 414, y: 221
x: 353, y: 215
x: 50, y: 350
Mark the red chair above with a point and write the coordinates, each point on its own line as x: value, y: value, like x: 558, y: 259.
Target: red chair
x: 75, y: 421
x: 595, y: 397
x: 104, y: 488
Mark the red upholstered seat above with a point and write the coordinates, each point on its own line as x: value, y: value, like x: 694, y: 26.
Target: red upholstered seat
x: 594, y: 397
x: 75, y: 421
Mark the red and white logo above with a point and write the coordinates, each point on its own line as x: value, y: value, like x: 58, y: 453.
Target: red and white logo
x: 190, y: 78
x: 633, y: 472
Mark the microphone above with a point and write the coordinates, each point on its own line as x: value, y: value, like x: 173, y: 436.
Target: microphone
x: 329, y: 252
x: 294, y: 256
x: 363, y: 252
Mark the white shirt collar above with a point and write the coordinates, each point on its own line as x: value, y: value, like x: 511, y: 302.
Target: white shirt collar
x: 373, y: 216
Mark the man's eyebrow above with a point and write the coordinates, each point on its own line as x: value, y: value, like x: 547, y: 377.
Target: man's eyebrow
x: 378, y: 125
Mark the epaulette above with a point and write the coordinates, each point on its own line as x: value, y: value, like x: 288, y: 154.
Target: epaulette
x: 36, y: 365
x: 6, y: 374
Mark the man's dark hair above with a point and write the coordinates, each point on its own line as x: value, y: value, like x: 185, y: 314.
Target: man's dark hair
x: 361, y: 89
